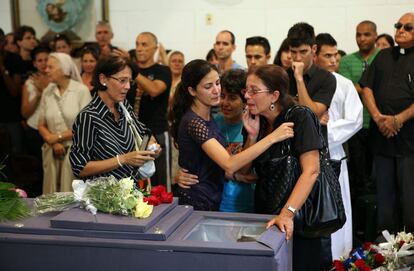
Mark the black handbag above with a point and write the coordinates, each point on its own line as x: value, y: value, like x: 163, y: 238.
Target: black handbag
x: 323, y: 212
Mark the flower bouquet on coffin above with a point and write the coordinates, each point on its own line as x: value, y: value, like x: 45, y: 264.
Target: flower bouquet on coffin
x: 396, y: 248
x: 104, y: 194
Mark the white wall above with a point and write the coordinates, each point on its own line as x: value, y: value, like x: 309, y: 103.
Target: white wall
x: 181, y: 24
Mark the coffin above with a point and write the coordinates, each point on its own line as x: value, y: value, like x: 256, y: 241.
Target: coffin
x: 174, y: 237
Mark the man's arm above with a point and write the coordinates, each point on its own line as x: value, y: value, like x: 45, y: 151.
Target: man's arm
x: 153, y: 88
x: 404, y: 116
x: 303, y: 95
x: 305, y: 99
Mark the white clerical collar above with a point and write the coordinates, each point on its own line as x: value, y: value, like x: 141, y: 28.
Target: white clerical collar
x: 402, y: 51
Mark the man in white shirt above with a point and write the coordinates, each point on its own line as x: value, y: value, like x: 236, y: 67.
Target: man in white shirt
x: 343, y: 119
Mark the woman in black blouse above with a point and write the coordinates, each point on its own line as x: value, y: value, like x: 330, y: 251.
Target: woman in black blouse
x: 267, y: 103
x: 103, y: 142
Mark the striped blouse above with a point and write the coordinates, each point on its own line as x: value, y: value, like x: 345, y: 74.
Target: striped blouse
x: 97, y: 136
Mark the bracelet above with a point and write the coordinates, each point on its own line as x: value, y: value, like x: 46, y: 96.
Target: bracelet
x: 60, y: 137
x: 396, y: 123
x: 119, y: 162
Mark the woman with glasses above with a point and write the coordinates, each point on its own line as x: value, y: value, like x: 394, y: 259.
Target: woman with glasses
x: 199, y: 140
x: 108, y: 139
x: 60, y: 103
x: 267, y: 105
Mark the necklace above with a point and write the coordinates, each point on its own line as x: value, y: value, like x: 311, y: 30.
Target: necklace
x: 232, y: 149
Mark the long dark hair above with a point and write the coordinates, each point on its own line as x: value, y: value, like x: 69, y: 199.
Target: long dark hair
x: 192, y: 74
x: 284, y: 47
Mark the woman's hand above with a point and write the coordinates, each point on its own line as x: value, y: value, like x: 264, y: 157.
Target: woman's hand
x: 251, y: 123
x: 58, y: 150
x: 185, y: 179
x: 284, y: 221
x: 136, y: 158
x: 284, y: 131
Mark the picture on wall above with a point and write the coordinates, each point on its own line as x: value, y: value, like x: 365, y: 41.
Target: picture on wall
x: 74, y: 18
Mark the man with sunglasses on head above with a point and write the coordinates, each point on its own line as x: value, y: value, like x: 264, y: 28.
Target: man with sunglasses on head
x: 388, y: 93
x: 257, y: 51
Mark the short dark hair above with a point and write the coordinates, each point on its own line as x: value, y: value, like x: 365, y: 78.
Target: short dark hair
x: 89, y: 50
x: 37, y: 50
x: 342, y: 52
x: 389, y: 39
x: 233, y: 38
x: 108, y: 66
x: 370, y: 23
x: 301, y: 33
x: 259, y: 40
x: 210, y: 55
x: 324, y: 39
x: 19, y: 33
x: 234, y: 81
x: 61, y: 37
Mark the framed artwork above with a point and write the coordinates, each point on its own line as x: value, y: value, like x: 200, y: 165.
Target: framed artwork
x: 74, y: 18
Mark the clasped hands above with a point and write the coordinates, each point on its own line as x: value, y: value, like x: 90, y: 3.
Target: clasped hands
x: 388, y: 125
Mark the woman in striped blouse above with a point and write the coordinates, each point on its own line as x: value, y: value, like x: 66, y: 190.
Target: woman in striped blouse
x: 104, y: 143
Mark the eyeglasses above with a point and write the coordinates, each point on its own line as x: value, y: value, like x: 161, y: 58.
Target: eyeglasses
x: 407, y: 27
x: 123, y: 81
x: 253, y: 91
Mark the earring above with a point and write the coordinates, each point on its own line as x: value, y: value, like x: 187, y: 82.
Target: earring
x: 104, y: 84
x: 272, y: 106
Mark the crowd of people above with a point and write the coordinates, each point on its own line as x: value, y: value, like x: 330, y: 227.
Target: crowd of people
x: 209, y: 130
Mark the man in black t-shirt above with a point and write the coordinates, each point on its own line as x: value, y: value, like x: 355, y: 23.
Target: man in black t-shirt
x: 313, y: 87
x: 150, y: 101
x: 388, y: 93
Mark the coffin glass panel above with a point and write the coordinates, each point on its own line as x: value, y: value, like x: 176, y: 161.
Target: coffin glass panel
x: 221, y: 230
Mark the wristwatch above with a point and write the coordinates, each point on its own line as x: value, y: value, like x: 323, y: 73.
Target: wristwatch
x: 291, y: 209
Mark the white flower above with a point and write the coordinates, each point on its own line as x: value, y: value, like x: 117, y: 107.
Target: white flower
x: 127, y: 184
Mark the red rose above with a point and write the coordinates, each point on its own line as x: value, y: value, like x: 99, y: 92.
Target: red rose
x: 152, y: 200
x: 166, y: 197
x: 338, y: 265
x: 158, y: 190
x: 379, y: 259
x: 366, y: 245
x: 365, y: 268
x: 359, y: 263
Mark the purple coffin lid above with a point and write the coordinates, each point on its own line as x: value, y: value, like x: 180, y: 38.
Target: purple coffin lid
x: 81, y: 219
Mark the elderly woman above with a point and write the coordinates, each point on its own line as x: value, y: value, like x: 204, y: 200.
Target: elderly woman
x: 61, y: 102
x: 107, y: 132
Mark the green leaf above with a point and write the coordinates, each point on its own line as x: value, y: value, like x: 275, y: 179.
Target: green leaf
x: 13, y: 209
x: 6, y: 186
